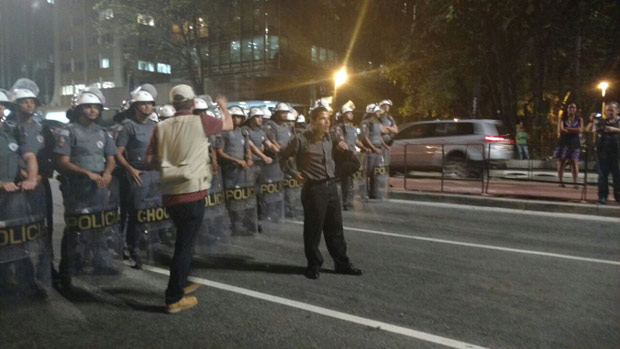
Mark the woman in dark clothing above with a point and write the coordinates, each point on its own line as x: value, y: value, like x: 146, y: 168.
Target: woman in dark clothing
x: 569, y: 145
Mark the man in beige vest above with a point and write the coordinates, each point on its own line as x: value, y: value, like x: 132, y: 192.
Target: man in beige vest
x: 179, y: 149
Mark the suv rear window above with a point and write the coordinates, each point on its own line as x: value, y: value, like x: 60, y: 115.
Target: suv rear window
x: 454, y: 129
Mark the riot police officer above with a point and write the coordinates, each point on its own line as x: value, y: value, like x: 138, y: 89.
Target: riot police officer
x: 235, y: 157
x: 24, y: 260
x: 347, y: 132
x: 37, y: 137
x: 389, y: 129
x: 371, y: 135
x: 131, y: 143
x: 85, y: 157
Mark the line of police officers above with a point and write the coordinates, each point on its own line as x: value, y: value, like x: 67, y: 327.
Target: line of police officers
x: 100, y: 169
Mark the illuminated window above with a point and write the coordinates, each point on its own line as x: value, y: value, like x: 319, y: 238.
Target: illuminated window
x: 146, y: 20
x: 50, y: 2
x: 314, y: 54
x: 146, y: 66
x: 108, y: 84
x: 104, y: 63
x: 163, y: 68
x: 106, y: 14
x: 67, y: 90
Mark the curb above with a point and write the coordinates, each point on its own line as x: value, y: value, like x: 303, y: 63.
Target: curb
x: 516, y: 204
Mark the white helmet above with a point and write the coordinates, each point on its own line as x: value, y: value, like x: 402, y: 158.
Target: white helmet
x: 24, y: 88
x: 282, y: 107
x: 4, y: 96
x: 266, y: 113
x: 200, y: 104
x: 386, y: 101
x: 142, y: 96
x: 372, y: 108
x: 154, y: 117
x: 290, y: 116
x: 345, y: 110
x: 87, y: 98
x: 301, y: 119
x: 235, y: 110
x: 256, y: 111
x: 166, y: 111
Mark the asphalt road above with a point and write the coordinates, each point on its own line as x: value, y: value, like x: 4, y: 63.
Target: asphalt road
x: 434, y: 275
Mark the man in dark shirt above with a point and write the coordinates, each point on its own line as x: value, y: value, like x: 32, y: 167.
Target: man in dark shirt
x: 319, y: 196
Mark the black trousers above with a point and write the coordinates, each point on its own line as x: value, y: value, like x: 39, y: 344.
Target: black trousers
x: 606, y: 165
x: 187, y: 218
x: 323, y: 214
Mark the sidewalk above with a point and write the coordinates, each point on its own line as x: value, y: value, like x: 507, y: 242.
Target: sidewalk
x: 502, y: 193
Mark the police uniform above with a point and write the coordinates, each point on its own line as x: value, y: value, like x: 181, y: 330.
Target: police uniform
x: 371, y: 129
x: 25, y: 251
x: 239, y: 183
x: 387, y: 120
x: 134, y: 137
x: 91, y: 213
x: 281, y: 134
x: 348, y: 134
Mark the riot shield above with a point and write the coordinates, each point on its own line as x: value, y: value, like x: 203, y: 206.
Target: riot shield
x: 292, y: 198
x: 379, y: 177
x: 360, y: 184
x: 92, y: 243
x: 215, y: 228
x: 240, y: 198
x: 270, y: 193
x: 149, y: 221
x: 25, y: 250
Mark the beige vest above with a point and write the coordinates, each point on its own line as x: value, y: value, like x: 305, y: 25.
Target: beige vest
x: 183, y: 149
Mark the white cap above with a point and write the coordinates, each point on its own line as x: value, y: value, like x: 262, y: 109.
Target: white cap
x: 372, y: 108
x: 235, y: 110
x: 154, y: 117
x: 386, y: 101
x: 166, y: 111
x: 282, y: 107
x: 181, y: 93
x: 301, y: 119
x: 4, y: 96
x: 256, y: 111
x: 266, y: 113
x: 200, y: 104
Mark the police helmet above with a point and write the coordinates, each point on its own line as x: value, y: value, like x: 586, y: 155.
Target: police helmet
x: 282, y: 107
x: 266, y: 113
x: 236, y: 111
x: 24, y: 88
x: 144, y: 93
x: 386, y: 101
x: 166, y: 111
x: 90, y: 95
x: 256, y: 111
x: 372, y: 108
x: 301, y: 119
x: 4, y: 96
x: 200, y: 104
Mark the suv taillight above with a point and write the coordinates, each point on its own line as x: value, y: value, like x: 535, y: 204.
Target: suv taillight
x: 496, y: 139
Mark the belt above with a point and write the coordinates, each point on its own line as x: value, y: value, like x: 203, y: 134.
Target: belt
x: 324, y: 182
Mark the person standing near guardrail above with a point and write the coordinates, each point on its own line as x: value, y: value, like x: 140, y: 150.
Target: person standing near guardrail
x: 521, y: 140
x: 608, y: 152
x: 569, y: 145
x: 372, y: 138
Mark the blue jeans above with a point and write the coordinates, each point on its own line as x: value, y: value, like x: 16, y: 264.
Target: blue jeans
x: 187, y: 217
x: 523, y: 153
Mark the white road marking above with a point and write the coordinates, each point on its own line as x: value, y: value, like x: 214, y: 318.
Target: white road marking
x: 510, y: 211
x: 325, y: 312
x: 488, y: 247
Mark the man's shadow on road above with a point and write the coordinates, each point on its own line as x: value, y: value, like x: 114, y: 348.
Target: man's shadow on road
x: 241, y: 263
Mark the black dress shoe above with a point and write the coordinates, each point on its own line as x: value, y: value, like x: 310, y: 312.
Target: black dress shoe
x: 311, y: 273
x: 602, y: 201
x: 348, y: 270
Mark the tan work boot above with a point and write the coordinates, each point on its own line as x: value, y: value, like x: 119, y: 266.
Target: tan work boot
x: 184, y: 303
x: 191, y: 287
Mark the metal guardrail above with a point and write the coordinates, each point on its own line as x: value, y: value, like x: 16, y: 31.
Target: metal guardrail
x: 540, y: 161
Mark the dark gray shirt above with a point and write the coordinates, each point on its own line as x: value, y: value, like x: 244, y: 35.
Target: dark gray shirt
x: 135, y: 136
x: 371, y: 128
x: 233, y: 143
x: 258, y: 137
x: 10, y: 156
x: 38, y: 139
x: 86, y: 147
x: 279, y: 133
x: 387, y: 120
x: 314, y: 157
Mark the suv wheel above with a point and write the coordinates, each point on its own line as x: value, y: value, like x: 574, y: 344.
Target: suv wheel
x: 455, y: 167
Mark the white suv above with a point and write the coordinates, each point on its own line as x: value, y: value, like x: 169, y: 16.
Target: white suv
x: 465, y: 144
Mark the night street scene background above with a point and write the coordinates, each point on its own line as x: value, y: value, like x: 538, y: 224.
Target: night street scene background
x: 483, y: 210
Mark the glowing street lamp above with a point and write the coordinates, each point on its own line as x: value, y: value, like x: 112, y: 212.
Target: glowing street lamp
x: 340, y: 77
x: 603, y: 86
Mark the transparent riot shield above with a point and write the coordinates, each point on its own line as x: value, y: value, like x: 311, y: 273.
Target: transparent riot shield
x: 215, y: 228
x: 92, y: 243
x: 240, y: 197
x: 360, y: 184
x: 292, y: 198
x: 379, y: 176
x: 270, y: 193
x: 25, y: 248
x: 149, y: 222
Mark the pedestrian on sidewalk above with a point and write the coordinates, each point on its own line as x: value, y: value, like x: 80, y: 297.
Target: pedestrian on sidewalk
x: 522, y: 142
x: 608, y: 152
x: 569, y: 145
